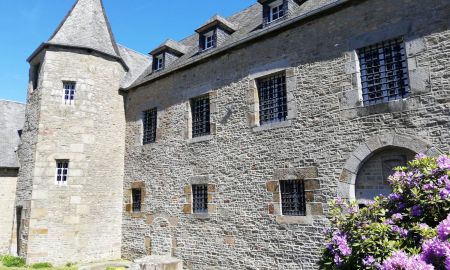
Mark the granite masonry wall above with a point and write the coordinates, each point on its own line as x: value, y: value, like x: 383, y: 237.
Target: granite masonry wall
x: 80, y: 221
x: 8, y: 180
x: 319, y: 143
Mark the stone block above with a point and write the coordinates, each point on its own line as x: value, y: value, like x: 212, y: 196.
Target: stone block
x: 312, y: 184
x: 271, y: 209
x: 309, y: 196
x: 211, y: 188
x: 187, y: 189
x: 316, y: 209
x: 212, y: 208
x: 273, y: 186
x: 229, y: 240
x: 187, y: 209
x: 150, y: 218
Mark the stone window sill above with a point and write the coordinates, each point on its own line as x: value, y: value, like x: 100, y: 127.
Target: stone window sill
x: 274, y: 125
x: 203, y: 216
x: 200, y: 139
x: 137, y: 215
x: 308, y: 220
x: 388, y: 107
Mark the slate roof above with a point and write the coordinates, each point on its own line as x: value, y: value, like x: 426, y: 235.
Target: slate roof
x: 136, y: 62
x: 248, y: 25
x: 218, y: 20
x: 170, y: 44
x: 12, y: 119
x: 86, y: 25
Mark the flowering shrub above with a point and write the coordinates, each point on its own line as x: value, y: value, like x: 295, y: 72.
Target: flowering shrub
x: 407, y: 230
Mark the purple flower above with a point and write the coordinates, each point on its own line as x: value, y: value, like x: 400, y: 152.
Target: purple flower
x: 443, y: 180
x: 340, y: 240
x: 424, y: 226
x: 338, y: 260
x: 397, y: 217
x: 400, y: 261
x: 401, y: 231
x: 435, y: 252
x: 395, y: 197
x: 388, y: 221
x: 420, y: 156
x: 444, y: 193
x: 369, y: 260
x: 443, y: 162
x: 429, y: 186
x: 416, y: 211
x: 443, y: 229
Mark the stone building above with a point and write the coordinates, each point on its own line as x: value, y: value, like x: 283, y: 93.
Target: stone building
x: 12, y: 117
x: 227, y: 145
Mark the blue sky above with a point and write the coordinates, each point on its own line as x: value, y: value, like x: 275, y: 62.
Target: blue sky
x: 137, y: 24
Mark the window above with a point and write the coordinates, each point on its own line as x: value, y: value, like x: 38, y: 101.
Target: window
x: 200, y: 198
x: 36, y: 69
x: 276, y: 11
x: 159, y: 62
x: 200, y: 110
x: 136, y: 196
x: 272, y: 99
x: 293, y: 198
x: 384, y: 72
x: 209, y: 40
x: 62, y: 172
x: 149, y: 122
x: 69, y: 92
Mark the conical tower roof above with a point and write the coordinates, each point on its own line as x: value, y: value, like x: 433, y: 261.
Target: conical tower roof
x: 86, y: 26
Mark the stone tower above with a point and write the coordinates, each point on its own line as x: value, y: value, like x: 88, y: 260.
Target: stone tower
x: 69, y: 194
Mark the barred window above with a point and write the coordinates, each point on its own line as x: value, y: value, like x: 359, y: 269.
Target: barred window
x: 200, y: 198
x: 272, y: 99
x: 384, y: 72
x: 62, y: 172
x: 69, y: 92
x: 136, y: 196
x: 200, y: 116
x: 293, y: 198
x: 149, y: 122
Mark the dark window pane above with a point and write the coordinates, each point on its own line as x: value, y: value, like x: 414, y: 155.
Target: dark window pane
x: 272, y: 99
x: 137, y: 199
x: 293, y: 198
x: 150, y: 121
x: 384, y: 73
x: 200, y: 116
x: 200, y: 198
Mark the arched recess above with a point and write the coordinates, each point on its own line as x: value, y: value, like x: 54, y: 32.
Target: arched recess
x: 372, y: 146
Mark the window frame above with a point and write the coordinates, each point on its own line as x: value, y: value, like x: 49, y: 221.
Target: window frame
x: 272, y: 102
x: 69, y: 93
x: 149, y: 126
x: 206, y: 115
x: 209, y: 35
x: 159, y: 62
x: 63, y: 174
x: 299, y: 186
x: 400, y: 75
x: 200, y: 205
x: 136, y: 192
x: 279, y: 5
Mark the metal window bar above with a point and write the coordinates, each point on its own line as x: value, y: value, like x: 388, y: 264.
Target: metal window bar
x: 201, y: 125
x: 149, y: 123
x: 272, y: 99
x: 384, y: 72
x: 62, y: 171
x: 293, y: 198
x: 137, y: 199
x: 200, y: 198
x: 69, y: 92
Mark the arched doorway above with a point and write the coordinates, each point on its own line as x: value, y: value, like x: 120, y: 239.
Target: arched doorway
x: 372, y: 177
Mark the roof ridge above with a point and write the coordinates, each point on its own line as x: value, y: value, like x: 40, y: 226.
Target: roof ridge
x: 13, y: 101
x: 133, y: 50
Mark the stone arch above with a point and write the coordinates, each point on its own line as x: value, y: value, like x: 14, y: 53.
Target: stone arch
x: 161, y: 239
x: 347, y: 180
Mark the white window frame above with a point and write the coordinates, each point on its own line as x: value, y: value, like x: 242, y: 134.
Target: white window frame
x: 209, y: 40
x: 274, y: 10
x: 69, y: 93
x: 62, y: 172
x: 159, y: 62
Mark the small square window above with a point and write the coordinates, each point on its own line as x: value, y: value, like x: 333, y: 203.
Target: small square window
x: 159, y: 62
x: 200, y: 198
x: 384, y: 72
x: 62, y: 172
x: 200, y: 109
x: 276, y: 11
x: 150, y: 124
x: 69, y: 92
x: 209, y: 40
x: 293, y: 197
x: 136, y: 196
x: 272, y: 95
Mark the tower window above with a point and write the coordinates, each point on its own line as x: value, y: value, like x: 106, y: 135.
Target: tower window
x: 69, y: 92
x: 136, y: 194
x: 201, y: 125
x: 293, y: 198
x: 384, y: 72
x: 200, y: 198
x: 272, y: 99
x: 36, y: 69
x: 62, y: 172
x: 150, y: 122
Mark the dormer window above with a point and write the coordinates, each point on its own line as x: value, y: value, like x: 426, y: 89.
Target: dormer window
x: 276, y: 10
x: 209, y: 40
x: 159, y: 62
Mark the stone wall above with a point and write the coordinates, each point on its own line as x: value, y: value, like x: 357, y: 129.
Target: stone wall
x: 80, y: 221
x: 8, y: 180
x: 243, y: 232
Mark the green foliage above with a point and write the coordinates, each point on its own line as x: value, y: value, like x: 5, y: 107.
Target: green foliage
x: 361, y: 239
x: 70, y: 264
x: 13, y: 261
x: 42, y: 265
